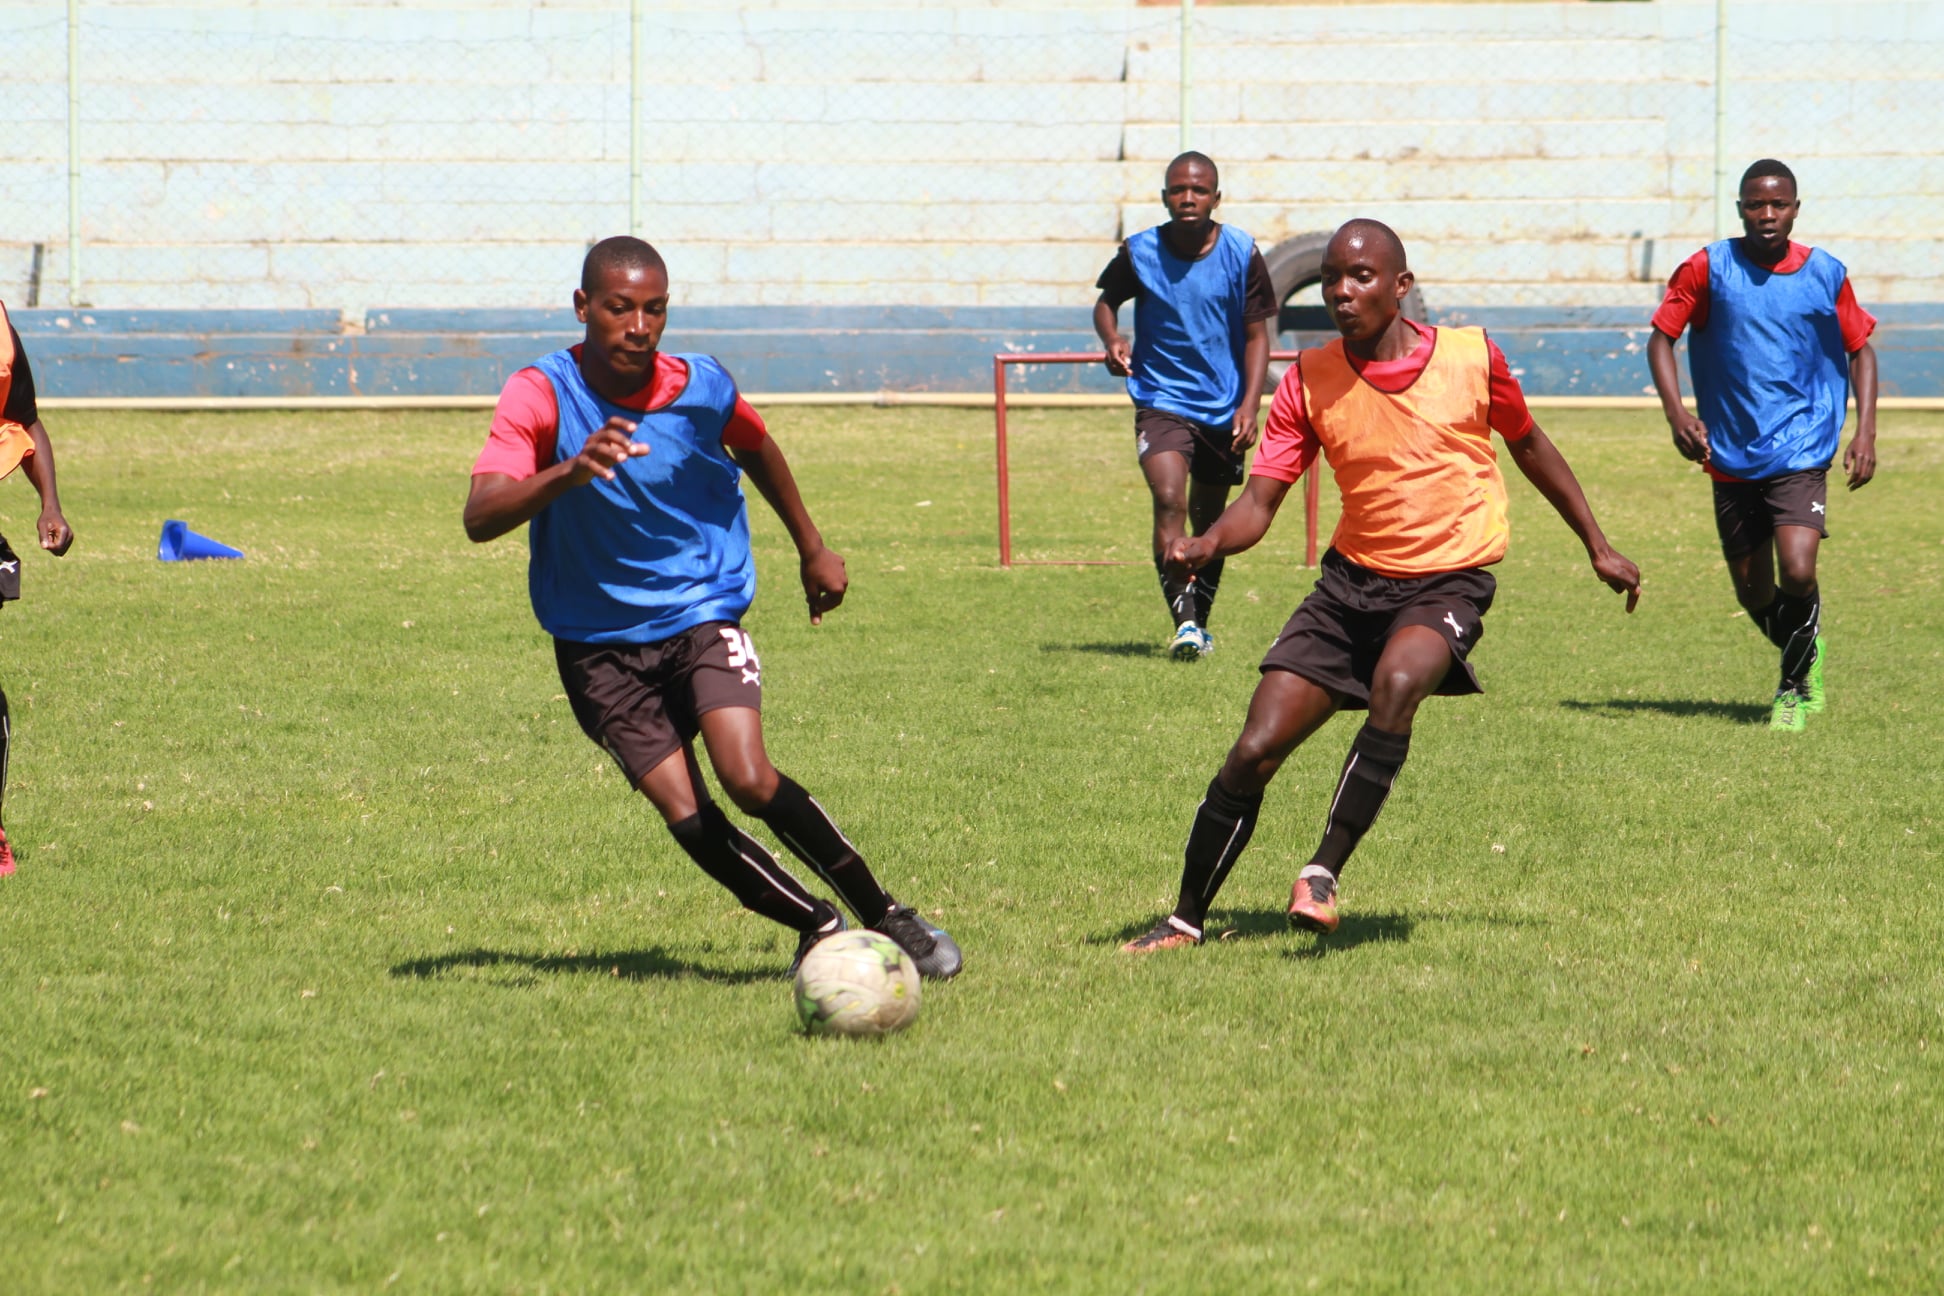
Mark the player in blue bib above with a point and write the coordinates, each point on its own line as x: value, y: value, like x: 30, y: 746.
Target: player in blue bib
x: 1195, y: 370
x: 627, y: 462
x: 1777, y: 343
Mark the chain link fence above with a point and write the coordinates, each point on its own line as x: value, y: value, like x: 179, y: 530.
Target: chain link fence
x: 356, y: 156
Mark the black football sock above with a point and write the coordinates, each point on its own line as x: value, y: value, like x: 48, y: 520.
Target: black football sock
x: 1765, y: 621
x: 1368, y: 773
x: 735, y: 859
x: 1797, y: 621
x: 1178, y: 590
x: 801, y: 824
x: 6, y: 745
x: 1223, y: 824
x: 1207, y: 581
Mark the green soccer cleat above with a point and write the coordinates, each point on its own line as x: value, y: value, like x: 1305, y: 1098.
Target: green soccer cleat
x: 1789, y: 712
x: 1812, y: 691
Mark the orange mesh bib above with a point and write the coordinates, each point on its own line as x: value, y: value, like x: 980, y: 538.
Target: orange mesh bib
x: 1418, y: 474
x: 15, y: 443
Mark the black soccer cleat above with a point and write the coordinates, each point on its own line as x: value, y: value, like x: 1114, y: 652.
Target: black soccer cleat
x: 829, y: 924
x: 935, y: 954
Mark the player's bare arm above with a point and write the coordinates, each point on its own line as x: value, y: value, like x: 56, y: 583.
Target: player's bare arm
x: 1859, y: 460
x: 1539, y: 459
x: 1240, y: 527
x: 498, y: 503
x: 1255, y: 374
x: 1690, y: 434
x: 55, y: 533
x: 822, y: 568
x: 1120, y: 352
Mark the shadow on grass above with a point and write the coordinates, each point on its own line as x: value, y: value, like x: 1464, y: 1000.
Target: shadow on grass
x: 1256, y: 924
x: 1354, y: 930
x: 1736, y: 712
x: 626, y: 965
x: 1127, y: 649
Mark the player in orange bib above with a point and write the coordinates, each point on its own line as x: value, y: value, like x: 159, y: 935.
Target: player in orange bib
x: 23, y: 445
x: 1404, y: 413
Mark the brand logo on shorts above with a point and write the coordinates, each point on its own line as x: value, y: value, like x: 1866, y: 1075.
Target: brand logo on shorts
x: 10, y: 566
x: 1457, y: 630
x: 1818, y: 508
x: 1140, y: 444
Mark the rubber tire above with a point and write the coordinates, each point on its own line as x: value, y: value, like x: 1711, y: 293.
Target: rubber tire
x: 1297, y: 263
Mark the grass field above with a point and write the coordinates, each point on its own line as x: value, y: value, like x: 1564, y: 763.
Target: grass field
x: 338, y: 959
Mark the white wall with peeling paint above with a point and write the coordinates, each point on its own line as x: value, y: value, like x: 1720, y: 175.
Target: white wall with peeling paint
x: 239, y: 154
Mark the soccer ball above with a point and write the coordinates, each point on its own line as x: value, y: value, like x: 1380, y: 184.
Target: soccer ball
x: 856, y: 983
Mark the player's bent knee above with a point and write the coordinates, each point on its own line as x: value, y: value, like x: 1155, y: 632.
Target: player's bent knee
x: 750, y: 784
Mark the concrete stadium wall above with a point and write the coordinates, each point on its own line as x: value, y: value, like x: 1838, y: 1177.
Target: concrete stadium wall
x: 961, y: 170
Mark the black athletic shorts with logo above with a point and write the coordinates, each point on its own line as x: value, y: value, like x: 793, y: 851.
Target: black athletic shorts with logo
x: 1339, y: 631
x: 641, y: 702
x: 1210, y: 451
x: 1747, y: 512
x: 9, y: 573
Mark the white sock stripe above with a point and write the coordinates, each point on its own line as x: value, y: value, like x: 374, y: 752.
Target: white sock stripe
x: 1223, y: 863
x: 832, y: 825
x: 1342, y: 783
x: 778, y: 887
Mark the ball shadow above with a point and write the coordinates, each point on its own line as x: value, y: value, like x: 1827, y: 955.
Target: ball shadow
x: 1129, y: 648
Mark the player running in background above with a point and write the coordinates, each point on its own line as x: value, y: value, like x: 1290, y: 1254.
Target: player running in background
x: 1195, y: 370
x: 1778, y: 342
x: 625, y: 460
x: 23, y: 444
x: 1404, y: 413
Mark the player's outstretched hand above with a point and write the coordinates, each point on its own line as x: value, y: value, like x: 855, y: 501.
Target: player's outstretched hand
x: 1120, y: 355
x: 613, y: 444
x: 1619, y: 573
x: 1188, y: 553
x: 1860, y: 460
x: 1690, y: 436
x: 824, y: 582
x: 55, y: 533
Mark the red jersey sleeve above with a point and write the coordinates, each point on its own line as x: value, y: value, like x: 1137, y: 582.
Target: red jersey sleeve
x: 745, y: 429
x: 525, y: 425
x: 1686, y: 302
x: 1289, y: 443
x: 1508, y: 414
x: 1857, y: 324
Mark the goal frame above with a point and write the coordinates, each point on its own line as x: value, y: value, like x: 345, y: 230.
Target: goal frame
x: 1004, y: 467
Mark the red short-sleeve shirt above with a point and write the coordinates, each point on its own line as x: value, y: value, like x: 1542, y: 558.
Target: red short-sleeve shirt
x: 1686, y: 303
x: 1289, y: 443
x: 526, y: 421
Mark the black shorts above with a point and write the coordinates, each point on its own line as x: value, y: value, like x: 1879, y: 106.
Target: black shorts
x: 1339, y: 631
x: 9, y: 573
x: 642, y: 702
x: 1747, y: 512
x: 1210, y: 451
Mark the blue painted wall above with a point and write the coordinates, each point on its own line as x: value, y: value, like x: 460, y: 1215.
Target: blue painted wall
x: 1593, y: 351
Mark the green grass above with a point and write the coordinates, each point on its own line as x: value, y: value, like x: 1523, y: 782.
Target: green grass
x: 339, y: 959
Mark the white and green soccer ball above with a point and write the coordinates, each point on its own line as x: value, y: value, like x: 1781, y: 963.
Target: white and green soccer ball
x: 856, y: 983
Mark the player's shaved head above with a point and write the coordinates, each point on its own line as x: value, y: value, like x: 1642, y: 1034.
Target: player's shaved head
x: 1377, y: 239
x: 1764, y: 167
x: 622, y: 252
x: 1192, y: 158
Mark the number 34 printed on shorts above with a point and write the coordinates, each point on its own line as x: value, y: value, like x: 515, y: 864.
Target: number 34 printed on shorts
x: 742, y: 655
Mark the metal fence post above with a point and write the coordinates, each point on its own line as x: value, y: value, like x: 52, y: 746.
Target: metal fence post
x: 1187, y: 70
x: 1723, y: 225
x: 634, y: 118
x: 74, y: 152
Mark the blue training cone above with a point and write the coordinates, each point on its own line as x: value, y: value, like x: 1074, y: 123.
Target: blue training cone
x: 180, y: 544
